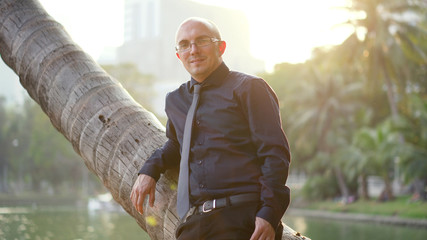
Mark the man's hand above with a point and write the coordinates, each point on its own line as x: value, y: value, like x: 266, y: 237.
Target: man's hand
x: 263, y: 230
x: 143, y: 185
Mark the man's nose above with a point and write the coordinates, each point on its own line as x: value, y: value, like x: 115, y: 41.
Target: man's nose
x: 193, y: 47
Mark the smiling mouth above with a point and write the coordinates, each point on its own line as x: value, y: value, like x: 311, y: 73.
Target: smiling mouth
x: 198, y: 60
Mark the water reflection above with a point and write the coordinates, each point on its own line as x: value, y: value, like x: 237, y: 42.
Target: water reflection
x: 81, y: 224
x: 300, y: 224
x: 324, y: 229
x: 50, y: 224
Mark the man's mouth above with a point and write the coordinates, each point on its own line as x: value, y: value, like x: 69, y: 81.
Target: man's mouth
x: 197, y: 60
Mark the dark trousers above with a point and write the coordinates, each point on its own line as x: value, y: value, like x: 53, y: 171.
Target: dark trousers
x: 229, y: 223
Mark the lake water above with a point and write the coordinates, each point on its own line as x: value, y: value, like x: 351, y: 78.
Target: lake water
x: 73, y: 224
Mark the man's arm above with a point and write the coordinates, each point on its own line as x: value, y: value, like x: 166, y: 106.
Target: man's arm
x: 164, y: 158
x: 261, y: 106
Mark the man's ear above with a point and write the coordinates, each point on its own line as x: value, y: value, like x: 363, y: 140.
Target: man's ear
x: 222, y: 46
x: 177, y: 54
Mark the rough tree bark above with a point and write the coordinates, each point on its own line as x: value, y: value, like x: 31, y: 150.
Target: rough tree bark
x: 112, y: 133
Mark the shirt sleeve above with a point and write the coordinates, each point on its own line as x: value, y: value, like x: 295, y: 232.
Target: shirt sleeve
x: 261, y: 106
x: 166, y: 157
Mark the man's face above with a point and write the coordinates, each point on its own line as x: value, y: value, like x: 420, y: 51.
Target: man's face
x: 200, y: 62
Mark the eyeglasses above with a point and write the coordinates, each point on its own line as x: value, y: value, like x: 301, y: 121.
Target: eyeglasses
x: 185, y: 46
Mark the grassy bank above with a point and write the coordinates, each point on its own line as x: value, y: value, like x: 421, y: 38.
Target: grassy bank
x: 401, y: 207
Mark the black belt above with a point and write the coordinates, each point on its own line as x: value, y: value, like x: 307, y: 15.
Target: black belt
x: 227, y: 201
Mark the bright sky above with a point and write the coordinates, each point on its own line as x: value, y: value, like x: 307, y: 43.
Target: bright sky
x: 281, y: 30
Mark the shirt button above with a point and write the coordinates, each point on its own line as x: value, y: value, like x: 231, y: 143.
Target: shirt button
x: 198, y: 123
x: 199, y: 162
x: 202, y: 186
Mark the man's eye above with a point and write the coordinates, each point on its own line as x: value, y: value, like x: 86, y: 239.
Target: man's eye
x: 184, y: 45
x: 203, y: 41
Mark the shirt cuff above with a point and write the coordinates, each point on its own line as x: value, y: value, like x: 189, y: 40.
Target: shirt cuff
x: 268, y: 214
x: 150, y: 170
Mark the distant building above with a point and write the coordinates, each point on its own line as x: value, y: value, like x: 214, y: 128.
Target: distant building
x: 149, y: 37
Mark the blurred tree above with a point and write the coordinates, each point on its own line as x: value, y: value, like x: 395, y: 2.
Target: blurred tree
x: 31, y: 152
x: 22, y: 162
x: 389, y: 44
x: 378, y: 150
x: 325, y: 120
x: 387, y: 35
x: 357, y: 167
x: 321, y: 182
x: 13, y: 148
x: 353, y: 86
x: 356, y: 163
x: 318, y: 102
x: 49, y: 157
x: 386, y: 44
x: 414, y: 127
x: 4, y: 145
x: 287, y: 80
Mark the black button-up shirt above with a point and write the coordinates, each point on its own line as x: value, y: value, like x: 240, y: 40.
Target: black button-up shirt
x: 238, y: 145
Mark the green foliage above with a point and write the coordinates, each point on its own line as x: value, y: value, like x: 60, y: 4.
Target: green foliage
x: 414, y: 128
x: 320, y: 187
x: 36, y: 157
x: 387, y: 41
x: 351, y: 108
x: 401, y: 207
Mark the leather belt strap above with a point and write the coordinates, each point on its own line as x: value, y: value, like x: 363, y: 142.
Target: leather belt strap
x: 227, y: 201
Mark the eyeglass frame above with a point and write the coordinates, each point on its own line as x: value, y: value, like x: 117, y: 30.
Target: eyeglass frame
x: 212, y: 40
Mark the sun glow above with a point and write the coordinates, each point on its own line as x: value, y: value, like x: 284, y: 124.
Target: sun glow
x: 287, y: 31
x: 281, y: 30
x: 94, y: 25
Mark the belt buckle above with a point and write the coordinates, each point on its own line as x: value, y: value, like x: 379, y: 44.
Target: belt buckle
x: 204, y: 210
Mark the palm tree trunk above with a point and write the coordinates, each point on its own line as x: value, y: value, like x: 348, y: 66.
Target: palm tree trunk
x: 323, y: 146
x: 4, y: 184
x: 390, y: 91
x: 341, y: 184
x: 388, y: 187
x: 112, y: 133
x: 363, y: 184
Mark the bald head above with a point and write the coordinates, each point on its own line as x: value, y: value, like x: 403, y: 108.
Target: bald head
x: 211, y: 26
x: 204, y: 47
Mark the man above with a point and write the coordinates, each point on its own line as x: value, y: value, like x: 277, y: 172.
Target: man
x: 239, y: 155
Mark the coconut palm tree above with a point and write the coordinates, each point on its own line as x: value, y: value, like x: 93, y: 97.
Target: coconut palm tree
x: 326, y: 106
x: 388, y: 38
x: 385, y: 38
x: 414, y: 166
x: 378, y: 148
x: 112, y: 133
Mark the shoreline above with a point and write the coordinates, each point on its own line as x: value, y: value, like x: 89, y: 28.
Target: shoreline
x: 359, y: 217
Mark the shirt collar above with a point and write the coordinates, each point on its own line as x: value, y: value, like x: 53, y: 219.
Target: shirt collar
x: 216, y: 78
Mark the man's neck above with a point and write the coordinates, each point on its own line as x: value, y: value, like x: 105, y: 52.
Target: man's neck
x: 201, y: 79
